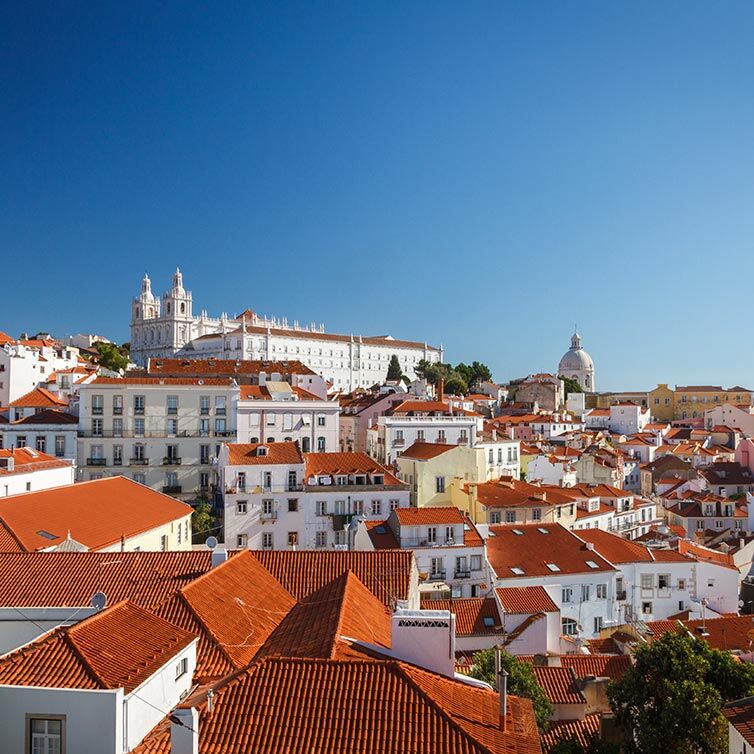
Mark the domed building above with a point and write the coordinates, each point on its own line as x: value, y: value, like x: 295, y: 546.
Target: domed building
x: 577, y: 364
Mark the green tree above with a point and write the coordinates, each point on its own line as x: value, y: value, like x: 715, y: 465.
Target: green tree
x: 570, y: 385
x: 521, y: 681
x: 456, y: 385
x: 394, y: 371
x: 670, y: 699
x: 201, y: 518
x: 111, y: 356
x: 475, y: 373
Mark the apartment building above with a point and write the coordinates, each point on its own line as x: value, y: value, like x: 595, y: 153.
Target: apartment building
x: 448, y: 549
x: 276, y: 497
x: 159, y: 431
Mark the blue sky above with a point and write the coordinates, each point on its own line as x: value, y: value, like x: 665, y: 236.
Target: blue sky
x: 481, y: 175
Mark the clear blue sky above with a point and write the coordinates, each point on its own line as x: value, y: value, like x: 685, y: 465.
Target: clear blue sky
x: 477, y: 174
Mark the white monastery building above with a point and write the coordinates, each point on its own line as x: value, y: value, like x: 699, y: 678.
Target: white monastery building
x: 167, y: 327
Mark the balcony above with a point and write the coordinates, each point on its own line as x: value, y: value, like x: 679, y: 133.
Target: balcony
x: 138, y: 462
x: 399, y: 442
x: 462, y: 440
x: 172, y: 489
x: 117, y: 461
x: 156, y: 433
x: 219, y: 412
x: 117, y: 410
x: 97, y: 411
x: 462, y: 575
x: 436, y: 576
x: 225, y: 433
x: 171, y: 461
x: 620, y: 596
x: 172, y: 410
x: 269, y: 516
x: 139, y: 411
x: 96, y: 461
x: 204, y: 411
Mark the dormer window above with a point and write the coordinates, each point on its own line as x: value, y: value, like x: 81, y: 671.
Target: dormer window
x: 361, y: 479
x: 378, y: 479
x: 341, y: 480
x: 262, y: 450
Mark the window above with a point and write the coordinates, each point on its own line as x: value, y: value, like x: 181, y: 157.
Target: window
x: 292, y: 505
x: 394, y: 504
x: 476, y: 562
x: 138, y: 404
x: 495, y: 517
x: 431, y: 534
x: 449, y: 535
x: 267, y: 540
x: 181, y: 668
x: 536, y: 514
x: 204, y: 454
x: 292, y: 539
x: 553, y: 567
x: 242, y: 540
x: 41, y: 443
x: 96, y: 427
x: 220, y: 405
x: 441, y: 435
x: 568, y: 626
x: 567, y: 595
x: 320, y: 421
x: 220, y: 427
x: 204, y: 405
x: 164, y: 542
x: 321, y: 507
x: 681, y: 584
x: 98, y: 403
x: 647, y: 581
x: 376, y: 507
x: 270, y: 420
x: 139, y: 427
x: 320, y: 539
x: 663, y: 581
x: 305, y: 444
x: 601, y: 591
x: 420, y: 435
x: 585, y: 592
x: 287, y: 421
x: 436, y: 567
x: 598, y: 623
x: 440, y: 484
x: 241, y: 508
x: 646, y: 608
x: 321, y: 445
x: 510, y: 517
x: 59, y: 446
x: 172, y: 404
x: 21, y: 441
x: 46, y: 735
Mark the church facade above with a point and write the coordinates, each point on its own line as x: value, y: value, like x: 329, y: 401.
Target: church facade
x: 167, y: 327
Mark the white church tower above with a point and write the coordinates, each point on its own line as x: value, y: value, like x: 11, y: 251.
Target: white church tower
x: 176, y: 311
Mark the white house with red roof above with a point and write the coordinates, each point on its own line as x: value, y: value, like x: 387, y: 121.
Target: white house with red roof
x: 448, y: 548
x: 276, y: 497
x: 28, y: 470
x: 654, y: 584
x: 278, y: 411
x: 550, y: 555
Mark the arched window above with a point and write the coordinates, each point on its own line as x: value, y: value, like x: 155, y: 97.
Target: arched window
x: 568, y: 626
x: 321, y: 444
x: 305, y: 444
x: 168, y: 307
x: 183, y: 308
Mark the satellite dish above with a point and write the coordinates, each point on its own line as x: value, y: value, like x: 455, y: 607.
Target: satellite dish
x: 99, y: 600
x: 740, y: 603
x: 211, y: 542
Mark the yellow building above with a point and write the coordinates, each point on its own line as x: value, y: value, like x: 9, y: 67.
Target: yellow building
x: 691, y: 401
x: 661, y: 402
x: 433, y: 470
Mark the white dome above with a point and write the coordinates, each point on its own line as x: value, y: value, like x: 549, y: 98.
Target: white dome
x: 576, y: 360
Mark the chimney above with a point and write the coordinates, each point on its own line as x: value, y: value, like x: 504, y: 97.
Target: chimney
x: 426, y: 638
x: 184, y: 731
x: 441, y: 390
x: 502, y: 687
x: 494, y: 435
x: 219, y: 556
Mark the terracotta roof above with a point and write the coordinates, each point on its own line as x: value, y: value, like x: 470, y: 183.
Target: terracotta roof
x: 540, y: 550
x: 381, y: 535
x: 38, y: 398
x: 728, y: 632
x: 599, y: 665
x: 723, y: 473
x: 333, y: 464
x: 118, y: 648
x: 26, y: 460
x: 740, y: 714
x: 386, y: 573
x: 603, y: 646
x: 525, y: 599
x: 95, y: 513
x: 216, y: 367
x: 249, y: 454
x: 512, y: 493
x: 69, y: 579
x: 705, y: 553
x: 601, y: 490
x: 422, y: 407
x: 471, y: 613
x: 584, y: 731
x: 614, y: 548
x: 145, y: 380
x: 343, y: 608
x: 559, y: 684
x: 424, y: 451
x: 424, y: 516
x: 262, y: 393
x: 282, y: 704
x: 48, y: 416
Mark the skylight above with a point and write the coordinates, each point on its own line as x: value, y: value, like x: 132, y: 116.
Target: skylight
x: 592, y: 564
x: 488, y: 621
x: 553, y: 567
x: 542, y: 531
x: 518, y: 571
x: 517, y: 532
x: 379, y: 529
x: 47, y: 535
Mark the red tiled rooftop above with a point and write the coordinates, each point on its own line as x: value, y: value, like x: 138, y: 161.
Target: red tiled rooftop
x: 118, y: 648
x: 345, y: 464
x: 583, y: 730
x: 39, y: 398
x: 261, y: 453
x: 26, y: 460
x: 425, y: 451
x: 525, y: 599
x: 559, y: 684
x: 95, y: 513
x: 225, y: 367
x: 471, y: 613
x: 429, y: 516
